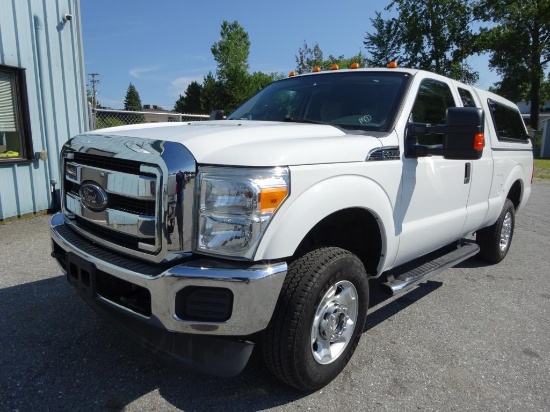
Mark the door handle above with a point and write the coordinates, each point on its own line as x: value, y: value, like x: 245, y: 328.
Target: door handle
x: 467, y: 173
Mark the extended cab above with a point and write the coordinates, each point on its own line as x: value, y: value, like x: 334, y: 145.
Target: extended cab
x: 204, y: 238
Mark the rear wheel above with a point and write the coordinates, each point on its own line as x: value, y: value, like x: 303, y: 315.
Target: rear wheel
x: 319, y: 318
x: 494, y: 241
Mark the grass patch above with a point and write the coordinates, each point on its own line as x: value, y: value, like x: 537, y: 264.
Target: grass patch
x: 542, y: 169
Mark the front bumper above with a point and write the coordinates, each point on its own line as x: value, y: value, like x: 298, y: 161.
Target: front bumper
x: 254, y: 290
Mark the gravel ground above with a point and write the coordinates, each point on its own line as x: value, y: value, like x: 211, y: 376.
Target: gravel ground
x: 474, y: 338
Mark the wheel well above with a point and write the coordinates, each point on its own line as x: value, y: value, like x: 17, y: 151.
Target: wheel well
x: 515, y: 193
x: 355, y: 230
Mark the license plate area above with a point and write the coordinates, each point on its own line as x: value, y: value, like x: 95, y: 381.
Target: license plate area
x: 81, y: 274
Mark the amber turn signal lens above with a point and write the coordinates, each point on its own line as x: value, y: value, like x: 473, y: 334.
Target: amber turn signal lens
x: 479, y: 141
x: 271, y: 198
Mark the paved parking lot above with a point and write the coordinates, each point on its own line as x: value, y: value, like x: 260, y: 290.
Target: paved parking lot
x: 475, y: 338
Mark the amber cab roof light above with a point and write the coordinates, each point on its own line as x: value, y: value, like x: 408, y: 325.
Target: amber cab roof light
x: 354, y: 65
x: 392, y: 65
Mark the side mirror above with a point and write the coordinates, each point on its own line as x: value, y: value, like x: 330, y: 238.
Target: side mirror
x: 464, y: 139
x: 463, y: 135
x: 217, y: 115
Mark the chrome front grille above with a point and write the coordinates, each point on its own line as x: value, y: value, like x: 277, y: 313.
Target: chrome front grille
x: 120, y: 202
x: 109, y: 163
x: 132, y: 195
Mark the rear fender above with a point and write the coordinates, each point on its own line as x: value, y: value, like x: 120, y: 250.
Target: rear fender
x: 500, y: 194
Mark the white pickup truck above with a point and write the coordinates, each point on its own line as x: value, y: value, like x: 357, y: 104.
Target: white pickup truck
x: 205, y: 238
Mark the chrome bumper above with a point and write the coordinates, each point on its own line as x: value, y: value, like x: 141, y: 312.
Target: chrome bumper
x: 255, y: 287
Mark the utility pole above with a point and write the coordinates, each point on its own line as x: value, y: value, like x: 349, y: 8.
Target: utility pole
x: 94, y: 82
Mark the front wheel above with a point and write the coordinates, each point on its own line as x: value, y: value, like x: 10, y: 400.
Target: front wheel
x: 494, y: 241
x: 319, y: 318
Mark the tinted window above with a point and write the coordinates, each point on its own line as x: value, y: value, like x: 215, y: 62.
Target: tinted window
x: 356, y: 100
x: 467, y: 98
x: 430, y: 106
x: 508, y: 122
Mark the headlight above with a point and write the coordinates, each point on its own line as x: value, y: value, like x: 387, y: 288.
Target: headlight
x: 235, y: 207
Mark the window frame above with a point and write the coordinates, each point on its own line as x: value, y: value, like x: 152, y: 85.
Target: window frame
x: 525, y: 136
x: 438, y: 89
x: 22, y: 115
x: 466, y: 99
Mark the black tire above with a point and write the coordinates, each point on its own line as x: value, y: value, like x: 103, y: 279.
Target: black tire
x: 495, y: 240
x: 323, y: 305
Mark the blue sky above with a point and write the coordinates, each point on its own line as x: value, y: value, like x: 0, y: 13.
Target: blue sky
x: 161, y: 46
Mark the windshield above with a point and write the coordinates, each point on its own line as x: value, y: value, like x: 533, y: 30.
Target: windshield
x: 358, y: 100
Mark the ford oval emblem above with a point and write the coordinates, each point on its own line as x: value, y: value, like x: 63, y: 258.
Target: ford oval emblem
x: 93, y: 197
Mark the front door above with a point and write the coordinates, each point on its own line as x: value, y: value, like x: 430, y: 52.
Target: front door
x: 434, y: 190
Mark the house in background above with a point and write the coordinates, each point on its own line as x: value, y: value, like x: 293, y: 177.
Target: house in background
x: 525, y: 110
x: 42, y: 100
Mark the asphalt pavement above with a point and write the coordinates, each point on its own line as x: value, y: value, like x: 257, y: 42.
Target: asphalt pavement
x: 474, y: 338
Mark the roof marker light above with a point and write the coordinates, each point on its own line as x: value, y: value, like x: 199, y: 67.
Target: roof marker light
x: 292, y: 74
x: 354, y: 65
x: 316, y: 69
x: 334, y: 67
x: 392, y: 65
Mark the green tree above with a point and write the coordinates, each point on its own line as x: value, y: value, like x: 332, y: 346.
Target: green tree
x: 344, y: 62
x: 308, y: 57
x: 231, y: 54
x: 191, y: 101
x: 259, y: 80
x: 93, y: 102
x: 384, y: 44
x: 432, y: 35
x: 519, y: 45
x: 210, y: 99
x: 132, y: 102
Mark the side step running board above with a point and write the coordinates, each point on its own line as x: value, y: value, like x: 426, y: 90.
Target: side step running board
x: 398, y: 283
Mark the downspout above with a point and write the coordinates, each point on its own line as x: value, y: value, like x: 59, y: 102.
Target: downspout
x: 45, y: 97
x: 88, y: 122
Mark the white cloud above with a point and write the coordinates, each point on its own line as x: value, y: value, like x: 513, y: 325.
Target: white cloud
x: 138, y: 72
x: 179, y: 85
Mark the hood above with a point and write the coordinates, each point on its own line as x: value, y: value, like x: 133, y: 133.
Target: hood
x: 257, y: 143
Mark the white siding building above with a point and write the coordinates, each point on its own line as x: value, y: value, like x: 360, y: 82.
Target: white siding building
x: 42, y: 100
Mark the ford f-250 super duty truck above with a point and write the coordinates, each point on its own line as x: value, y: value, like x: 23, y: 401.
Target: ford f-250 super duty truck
x: 205, y: 238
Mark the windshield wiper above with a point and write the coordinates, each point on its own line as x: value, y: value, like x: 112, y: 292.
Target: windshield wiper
x: 301, y: 120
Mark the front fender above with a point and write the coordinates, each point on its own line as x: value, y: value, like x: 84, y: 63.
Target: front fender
x: 302, y: 211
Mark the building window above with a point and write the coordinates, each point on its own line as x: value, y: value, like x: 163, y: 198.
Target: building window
x: 15, y: 132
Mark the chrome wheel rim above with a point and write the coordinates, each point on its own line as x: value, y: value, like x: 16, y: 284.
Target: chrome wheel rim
x: 334, y: 322
x: 505, y: 232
